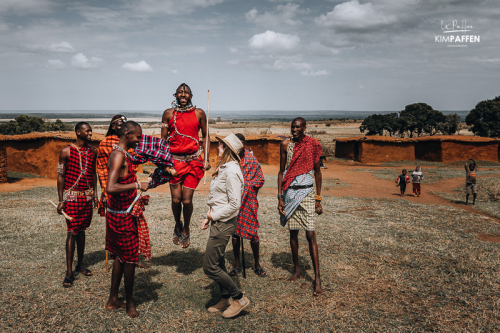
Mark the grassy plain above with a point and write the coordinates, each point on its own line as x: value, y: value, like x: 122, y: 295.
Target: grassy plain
x: 386, y: 265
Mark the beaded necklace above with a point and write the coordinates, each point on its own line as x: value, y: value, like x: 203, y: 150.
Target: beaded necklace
x: 177, y: 109
x: 127, y: 154
x: 83, y: 170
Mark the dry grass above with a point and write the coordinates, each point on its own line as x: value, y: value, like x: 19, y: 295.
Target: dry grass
x: 384, y: 266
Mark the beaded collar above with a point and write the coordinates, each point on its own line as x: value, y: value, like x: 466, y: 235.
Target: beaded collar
x: 187, y: 108
x: 127, y: 154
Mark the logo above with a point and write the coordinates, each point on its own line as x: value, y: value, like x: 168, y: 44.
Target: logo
x: 457, y: 34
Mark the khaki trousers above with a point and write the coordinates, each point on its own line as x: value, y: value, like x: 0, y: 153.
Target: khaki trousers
x: 214, y: 263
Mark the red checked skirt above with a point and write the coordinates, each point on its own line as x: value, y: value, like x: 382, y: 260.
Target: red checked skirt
x: 122, y: 236
x: 248, y: 225
x: 79, y: 207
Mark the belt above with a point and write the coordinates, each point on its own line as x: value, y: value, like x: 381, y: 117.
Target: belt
x: 188, y: 157
x: 112, y: 211
x: 300, y: 187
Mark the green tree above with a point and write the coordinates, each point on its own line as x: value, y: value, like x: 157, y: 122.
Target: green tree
x: 416, y: 116
x: 373, y: 124
x: 485, y: 118
x: 450, y: 125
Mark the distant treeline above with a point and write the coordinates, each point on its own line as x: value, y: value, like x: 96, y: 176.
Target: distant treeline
x: 78, y: 115
x: 24, y: 124
x: 421, y: 119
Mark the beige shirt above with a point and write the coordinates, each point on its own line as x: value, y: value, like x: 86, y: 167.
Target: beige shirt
x: 224, y: 198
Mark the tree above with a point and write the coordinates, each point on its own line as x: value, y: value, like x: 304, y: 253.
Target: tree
x: 485, y: 118
x: 416, y: 116
x: 27, y: 124
x: 374, y: 124
x: 450, y: 125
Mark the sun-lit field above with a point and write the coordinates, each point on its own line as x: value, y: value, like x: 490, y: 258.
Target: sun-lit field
x: 386, y: 265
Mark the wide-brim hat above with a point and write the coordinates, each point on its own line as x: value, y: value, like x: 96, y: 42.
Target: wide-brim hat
x: 233, y: 143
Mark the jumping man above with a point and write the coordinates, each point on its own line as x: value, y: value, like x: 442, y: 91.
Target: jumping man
x: 122, y: 238
x: 180, y: 127
x: 299, y: 159
x: 77, y: 186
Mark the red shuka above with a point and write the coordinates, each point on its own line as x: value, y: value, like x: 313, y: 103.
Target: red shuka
x: 186, y: 123
x: 306, y: 154
x: 79, y: 207
x: 122, y: 237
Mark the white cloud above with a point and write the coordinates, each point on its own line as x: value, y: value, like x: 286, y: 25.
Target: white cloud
x: 319, y: 49
x: 284, y: 14
x: 174, y: 71
x: 233, y: 50
x: 353, y: 16
x: 55, y: 64
x: 140, y: 66
x: 80, y: 61
x: 315, y: 73
x: 271, y: 41
x: 24, y: 7
x: 62, y: 47
x: 168, y: 7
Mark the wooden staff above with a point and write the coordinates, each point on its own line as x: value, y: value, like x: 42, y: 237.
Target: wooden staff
x: 206, y: 139
x: 129, y: 209
x: 65, y: 215
x: 243, y: 258
x: 106, y: 226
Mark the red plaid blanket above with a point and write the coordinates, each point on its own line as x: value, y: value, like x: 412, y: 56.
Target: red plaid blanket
x: 142, y: 226
x: 79, y: 207
x: 306, y: 154
x: 122, y: 235
x: 248, y: 223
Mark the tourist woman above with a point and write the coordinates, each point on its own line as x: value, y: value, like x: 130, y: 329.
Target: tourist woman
x: 224, y: 200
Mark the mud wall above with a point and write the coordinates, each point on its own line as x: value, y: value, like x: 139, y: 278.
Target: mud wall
x: 381, y: 151
x: 429, y: 151
x: 345, y: 149
x: 3, y: 164
x: 462, y: 151
x: 40, y: 156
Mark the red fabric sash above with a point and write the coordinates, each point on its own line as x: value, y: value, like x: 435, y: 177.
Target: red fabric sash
x: 306, y: 154
x: 142, y: 226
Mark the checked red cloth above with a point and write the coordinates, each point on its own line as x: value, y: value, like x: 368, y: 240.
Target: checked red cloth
x: 122, y: 235
x: 248, y: 224
x: 105, y: 149
x: 142, y: 226
x: 306, y: 154
x: 79, y: 207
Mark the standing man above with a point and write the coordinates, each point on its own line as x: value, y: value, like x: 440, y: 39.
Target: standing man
x: 470, y: 181
x: 248, y: 224
x: 299, y: 158
x: 122, y: 237
x: 180, y: 127
x: 77, y: 186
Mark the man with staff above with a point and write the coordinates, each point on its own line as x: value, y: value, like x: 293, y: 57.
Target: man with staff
x: 77, y: 188
x: 122, y: 237
x: 180, y: 127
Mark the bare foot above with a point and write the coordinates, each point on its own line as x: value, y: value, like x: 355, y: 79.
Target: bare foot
x: 317, y: 288
x: 131, y: 311
x: 143, y: 265
x: 294, y: 277
x: 115, y: 305
x: 177, y: 237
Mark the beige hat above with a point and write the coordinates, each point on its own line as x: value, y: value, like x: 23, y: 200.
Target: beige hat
x: 233, y: 143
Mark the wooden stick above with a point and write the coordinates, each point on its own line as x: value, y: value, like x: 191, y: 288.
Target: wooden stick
x: 206, y: 139
x: 65, y: 215
x: 106, y: 226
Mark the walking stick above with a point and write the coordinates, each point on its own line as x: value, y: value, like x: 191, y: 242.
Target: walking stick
x: 106, y: 224
x: 63, y: 212
x: 243, y: 258
x: 206, y: 139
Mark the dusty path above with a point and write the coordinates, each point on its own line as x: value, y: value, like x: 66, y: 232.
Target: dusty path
x: 361, y: 184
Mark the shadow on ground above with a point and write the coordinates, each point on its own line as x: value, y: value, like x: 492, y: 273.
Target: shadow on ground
x: 283, y: 260
x: 186, y: 261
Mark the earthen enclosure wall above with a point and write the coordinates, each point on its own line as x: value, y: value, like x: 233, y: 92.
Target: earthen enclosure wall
x: 462, y: 151
x: 429, y: 151
x: 40, y: 156
x: 346, y: 149
x: 381, y: 151
x: 3, y: 164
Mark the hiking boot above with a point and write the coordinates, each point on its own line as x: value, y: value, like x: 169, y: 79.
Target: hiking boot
x: 236, y: 307
x: 223, y: 304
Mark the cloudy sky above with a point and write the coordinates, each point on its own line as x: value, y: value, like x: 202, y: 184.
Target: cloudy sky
x: 252, y: 55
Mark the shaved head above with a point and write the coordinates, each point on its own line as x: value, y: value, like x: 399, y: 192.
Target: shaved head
x: 301, y: 120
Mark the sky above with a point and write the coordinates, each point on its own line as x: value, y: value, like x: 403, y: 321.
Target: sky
x: 377, y: 55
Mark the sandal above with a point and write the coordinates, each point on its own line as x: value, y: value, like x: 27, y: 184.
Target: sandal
x: 86, y: 271
x: 260, y: 272
x: 184, y: 240
x: 68, y: 281
x: 177, y: 236
x: 235, y: 271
